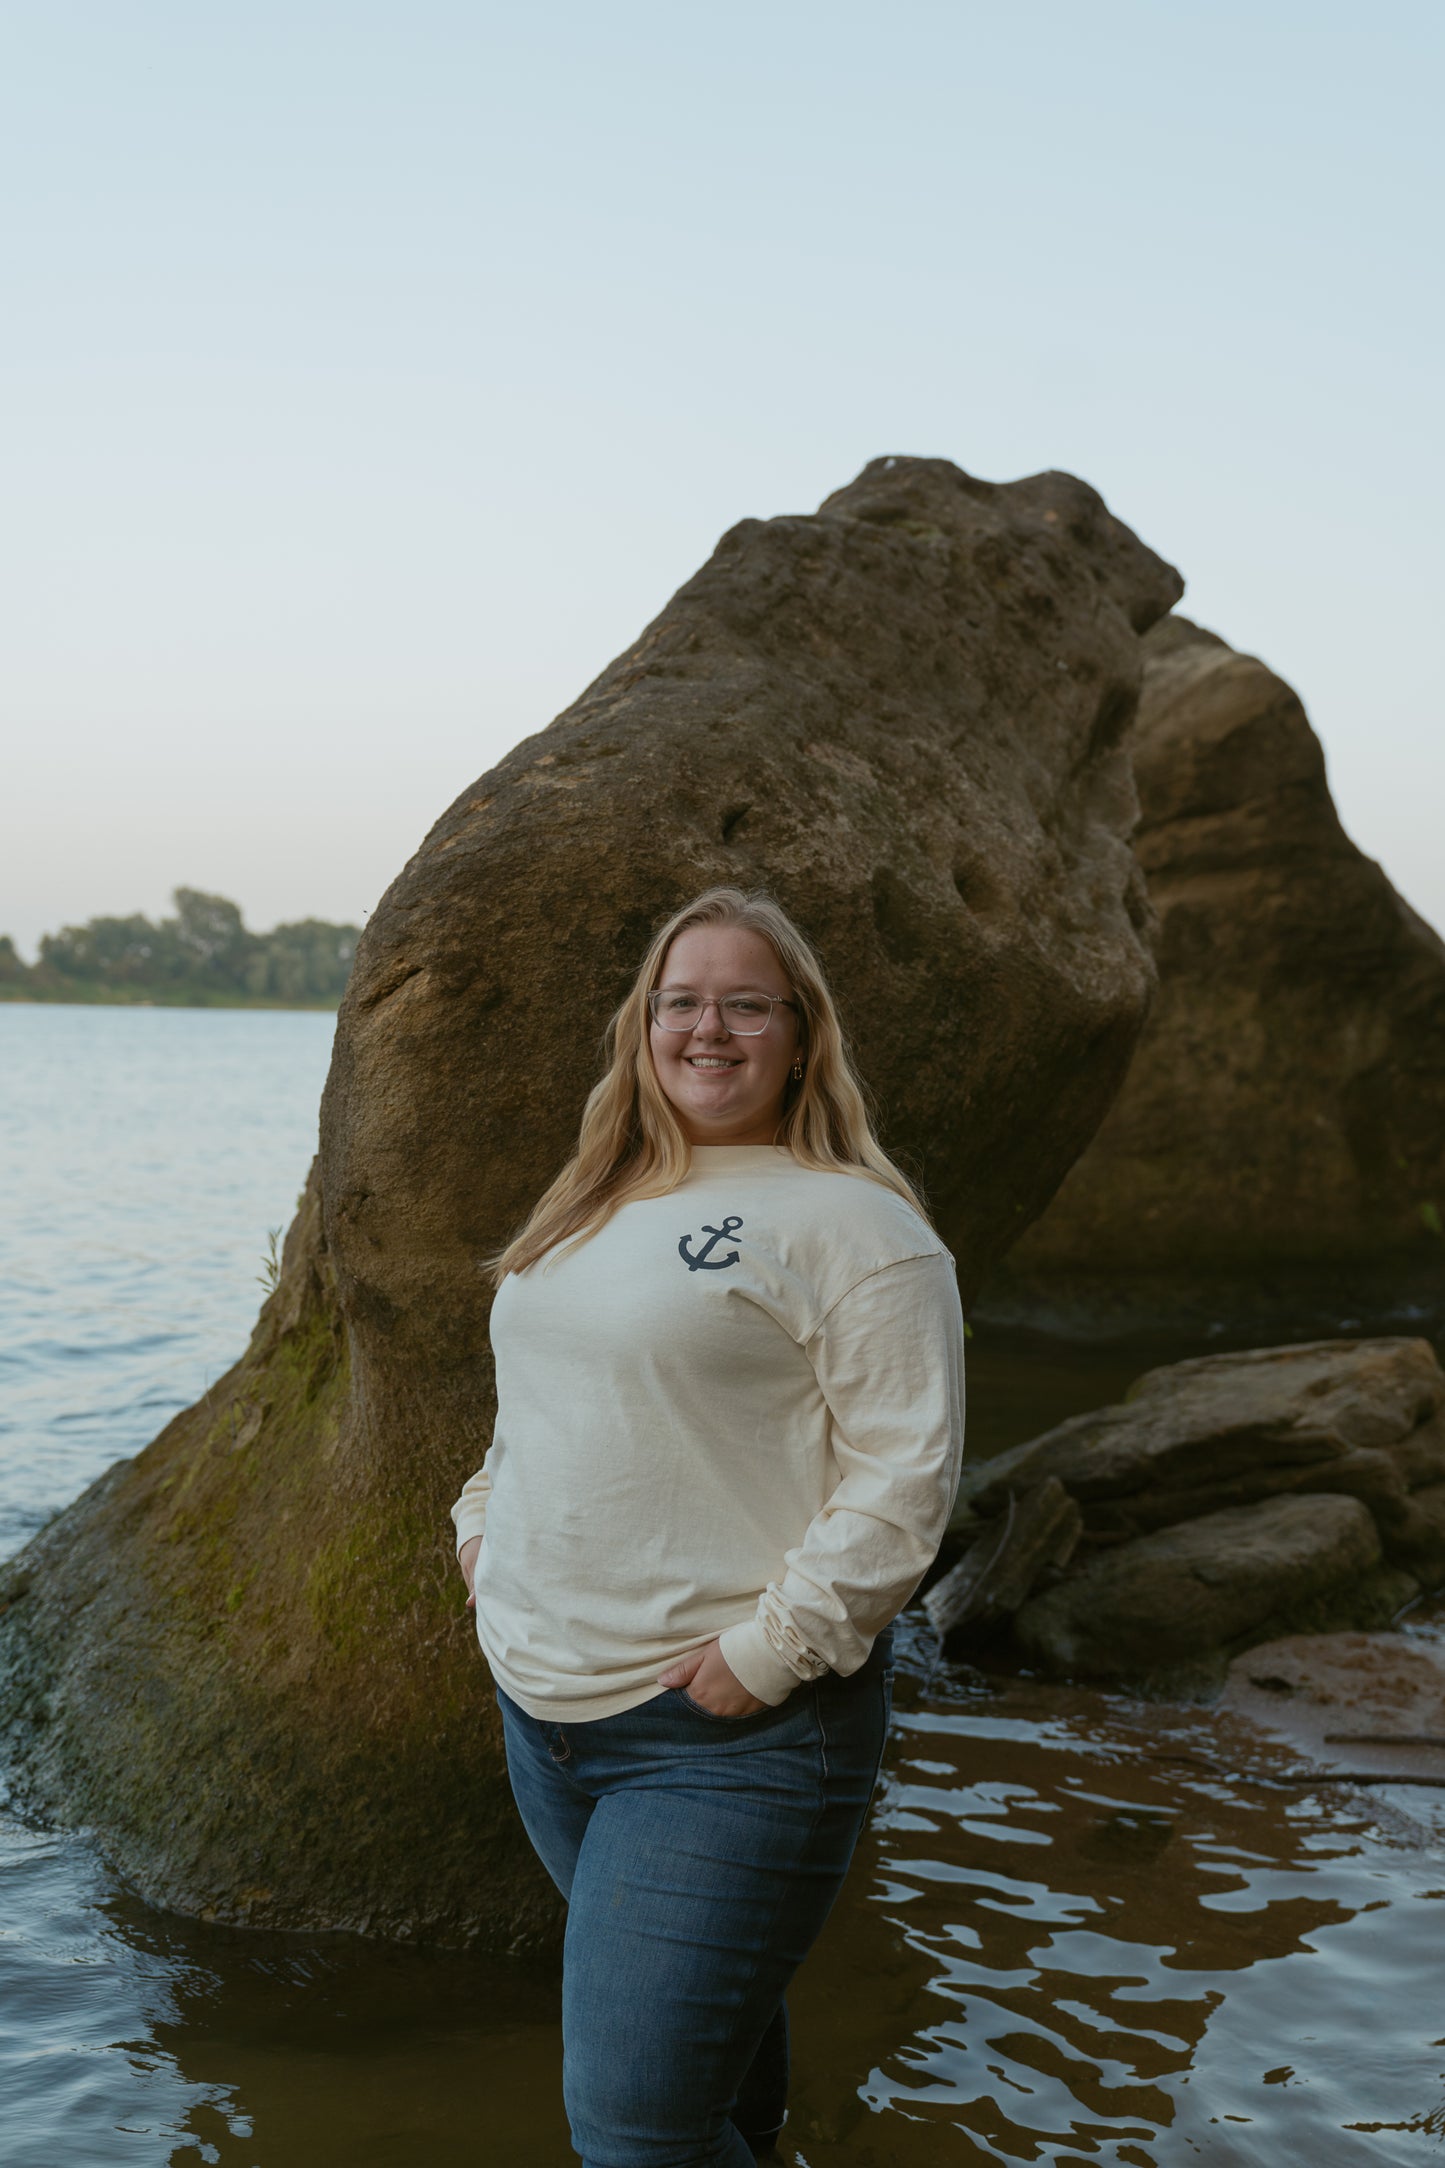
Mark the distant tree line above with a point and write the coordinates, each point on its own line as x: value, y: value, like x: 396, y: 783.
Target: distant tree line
x: 204, y: 955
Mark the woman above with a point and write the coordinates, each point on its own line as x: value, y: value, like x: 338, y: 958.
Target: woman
x: 729, y: 1360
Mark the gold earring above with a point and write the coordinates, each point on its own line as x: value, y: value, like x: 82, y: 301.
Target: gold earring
x: 797, y: 1068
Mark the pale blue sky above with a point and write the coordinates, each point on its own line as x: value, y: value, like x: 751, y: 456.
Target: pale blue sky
x: 372, y: 373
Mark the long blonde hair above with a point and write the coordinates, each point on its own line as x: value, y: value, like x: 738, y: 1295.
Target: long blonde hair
x: 631, y: 1143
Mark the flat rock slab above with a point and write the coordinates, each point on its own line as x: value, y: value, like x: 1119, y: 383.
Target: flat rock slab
x: 1171, y: 1598
x: 1360, y: 1416
x: 1350, y: 1701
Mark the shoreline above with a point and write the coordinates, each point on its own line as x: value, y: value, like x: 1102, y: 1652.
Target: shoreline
x: 111, y: 998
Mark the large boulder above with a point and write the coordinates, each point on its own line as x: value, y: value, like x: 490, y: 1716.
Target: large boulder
x: 1278, y: 1149
x: 243, y: 1657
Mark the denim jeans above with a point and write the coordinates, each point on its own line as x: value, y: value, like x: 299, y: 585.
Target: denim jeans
x: 699, y: 1856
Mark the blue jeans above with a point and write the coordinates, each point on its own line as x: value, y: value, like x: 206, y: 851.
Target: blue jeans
x: 699, y: 1856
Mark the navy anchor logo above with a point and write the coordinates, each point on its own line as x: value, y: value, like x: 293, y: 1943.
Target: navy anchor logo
x: 703, y: 1260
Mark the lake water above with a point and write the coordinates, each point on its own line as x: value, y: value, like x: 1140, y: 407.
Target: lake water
x: 1079, y: 1928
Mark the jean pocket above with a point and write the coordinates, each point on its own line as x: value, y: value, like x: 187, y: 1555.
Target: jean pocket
x: 714, y: 1716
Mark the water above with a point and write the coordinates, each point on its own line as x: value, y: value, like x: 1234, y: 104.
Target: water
x: 1078, y: 1929
x: 145, y: 1155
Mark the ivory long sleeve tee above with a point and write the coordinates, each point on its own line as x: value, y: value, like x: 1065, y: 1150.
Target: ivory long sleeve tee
x: 736, y: 1410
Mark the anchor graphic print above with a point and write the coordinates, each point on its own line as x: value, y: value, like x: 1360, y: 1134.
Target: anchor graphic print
x: 703, y: 1260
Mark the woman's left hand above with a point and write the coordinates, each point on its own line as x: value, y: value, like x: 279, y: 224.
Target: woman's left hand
x: 708, y: 1680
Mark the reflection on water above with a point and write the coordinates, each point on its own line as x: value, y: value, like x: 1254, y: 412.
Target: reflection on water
x: 134, y: 2038
x: 1123, y: 1950
x: 1079, y: 1929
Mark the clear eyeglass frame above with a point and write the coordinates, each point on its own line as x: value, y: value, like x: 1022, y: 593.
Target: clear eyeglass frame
x: 740, y: 1022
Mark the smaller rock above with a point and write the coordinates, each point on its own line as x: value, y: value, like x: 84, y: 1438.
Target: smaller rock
x: 1363, y: 1417
x: 1188, y: 1591
x: 1370, y: 1475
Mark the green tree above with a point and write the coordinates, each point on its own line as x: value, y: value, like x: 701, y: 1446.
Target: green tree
x: 309, y: 959
x: 13, y: 968
x: 112, y: 951
x: 205, y: 950
x: 210, y: 938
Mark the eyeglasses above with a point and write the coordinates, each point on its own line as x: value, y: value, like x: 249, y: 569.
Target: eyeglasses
x: 749, y: 1015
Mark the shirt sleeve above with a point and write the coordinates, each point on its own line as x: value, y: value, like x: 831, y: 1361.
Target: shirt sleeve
x: 889, y: 1360
x: 469, y: 1514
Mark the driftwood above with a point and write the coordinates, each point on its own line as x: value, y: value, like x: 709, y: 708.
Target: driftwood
x: 1037, y: 1530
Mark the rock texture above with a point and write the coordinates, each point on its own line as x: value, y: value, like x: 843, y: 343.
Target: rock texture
x: 244, y: 1657
x: 1278, y: 1147
x: 1223, y: 1501
x: 1169, y: 1598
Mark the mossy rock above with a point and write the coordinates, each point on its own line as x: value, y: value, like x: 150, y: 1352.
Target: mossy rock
x: 243, y: 1658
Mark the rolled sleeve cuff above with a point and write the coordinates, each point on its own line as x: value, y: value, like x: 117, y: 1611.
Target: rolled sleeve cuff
x: 755, y: 1663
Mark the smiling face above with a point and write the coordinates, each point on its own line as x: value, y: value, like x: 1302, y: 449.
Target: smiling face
x: 725, y: 1089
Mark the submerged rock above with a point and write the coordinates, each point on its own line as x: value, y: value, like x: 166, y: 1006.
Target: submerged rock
x: 243, y: 1658
x: 1224, y: 1500
x: 1371, y: 1703
x: 1278, y: 1147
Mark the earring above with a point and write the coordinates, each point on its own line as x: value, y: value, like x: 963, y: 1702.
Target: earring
x: 797, y: 1068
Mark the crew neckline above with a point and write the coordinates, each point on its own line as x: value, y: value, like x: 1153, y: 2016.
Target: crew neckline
x: 739, y: 1158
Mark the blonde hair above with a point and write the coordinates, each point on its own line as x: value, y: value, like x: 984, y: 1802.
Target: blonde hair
x: 631, y: 1143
